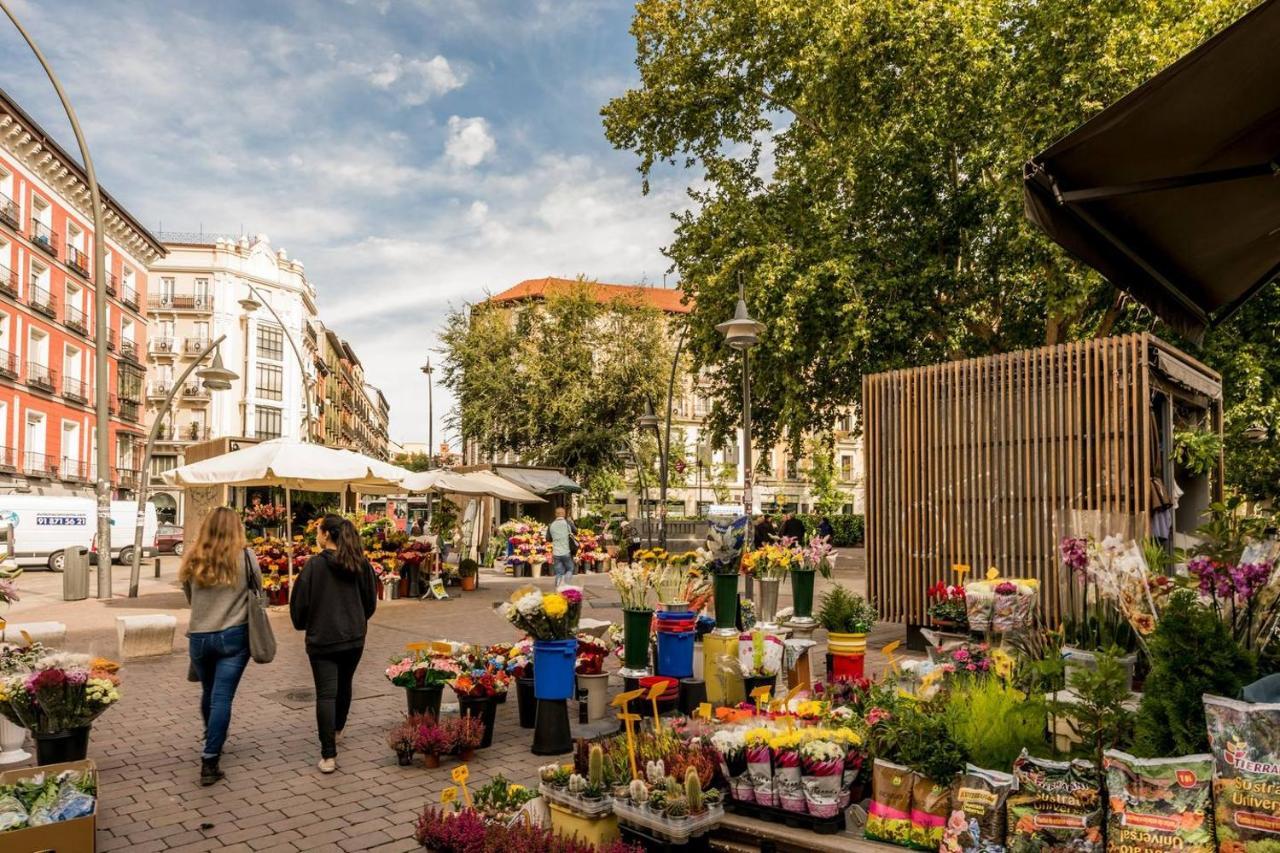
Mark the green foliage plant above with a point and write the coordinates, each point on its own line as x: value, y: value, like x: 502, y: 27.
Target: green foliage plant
x: 1192, y: 653
x: 1098, y: 714
x: 1197, y: 450
x: 993, y: 721
x: 926, y: 743
x: 845, y: 612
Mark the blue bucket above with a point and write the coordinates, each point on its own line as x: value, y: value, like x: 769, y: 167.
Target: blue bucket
x: 553, y: 662
x: 675, y: 654
x: 675, y: 615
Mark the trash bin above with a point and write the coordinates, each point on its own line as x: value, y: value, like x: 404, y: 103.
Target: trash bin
x: 75, y: 574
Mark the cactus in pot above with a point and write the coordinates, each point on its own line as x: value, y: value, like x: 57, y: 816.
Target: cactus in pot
x: 677, y: 808
x: 595, y: 773
x: 577, y: 784
x: 638, y: 791
x: 693, y: 791
x: 655, y: 772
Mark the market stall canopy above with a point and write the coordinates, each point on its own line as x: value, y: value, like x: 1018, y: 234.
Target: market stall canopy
x: 294, y: 465
x: 476, y: 484
x: 1173, y: 192
x: 542, y: 481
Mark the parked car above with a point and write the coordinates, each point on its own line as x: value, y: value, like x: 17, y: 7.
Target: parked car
x: 169, y: 539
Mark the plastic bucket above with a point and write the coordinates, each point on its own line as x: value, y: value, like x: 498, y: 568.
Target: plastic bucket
x: 673, y: 627
x: 675, y: 616
x: 846, y: 667
x: 553, y: 662
x: 846, y: 644
x: 675, y: 654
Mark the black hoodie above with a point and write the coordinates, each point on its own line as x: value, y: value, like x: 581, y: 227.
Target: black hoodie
x: 333, y: 605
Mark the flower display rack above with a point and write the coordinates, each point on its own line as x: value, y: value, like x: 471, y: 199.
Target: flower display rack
x: 653, y: 825
x: 799, y: 820
x: 578, y: 805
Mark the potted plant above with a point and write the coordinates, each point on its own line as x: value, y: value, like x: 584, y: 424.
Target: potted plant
x: 468, y: 571
x: 403, y: 740
x: 551, y: 620
x: 947, y: 607
x: 633, y: 584
x: 848, y: 617
x: 465, y: 734
x: 814, y: 560
x: 423, y: 677
x: 769, y: 565
x: 1094, y: 622
x: 431, y: 740
x: 58, y: 699
x: 593, y: 681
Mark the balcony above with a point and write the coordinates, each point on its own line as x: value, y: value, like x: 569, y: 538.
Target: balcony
x: 42, y: 235
x: 76, y: 319
x: 76, y: 390
x: 9, y: 212
x: 79, y: 262
x: 195, y: 346
x: 130, y: 411
x: 129, y: 297
x: 42, y: 378
x: 129, y: 349
x: 40, y: 465
x: 161, y: 347
x: 111, y: 340
x: 158, y: 389
x: 42, y: 300
x: 127, y: 478
x: 8, y: 364
x: 8, y: 459
x: 113, y: 284
x: 201, y: 302
x: 8, y: 282
x: 75, y: 470
x: 186, y: 432
x: 195, y: 391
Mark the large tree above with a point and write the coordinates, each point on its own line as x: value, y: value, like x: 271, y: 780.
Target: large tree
x: 858, y: 167
x: 559, y: 382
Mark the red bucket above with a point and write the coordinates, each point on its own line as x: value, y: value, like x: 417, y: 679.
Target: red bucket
x: 846, y: 667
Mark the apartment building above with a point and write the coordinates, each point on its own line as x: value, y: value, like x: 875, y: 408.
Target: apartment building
x: 47, y: 328
x: 354, y: 414
x: 701, y: 468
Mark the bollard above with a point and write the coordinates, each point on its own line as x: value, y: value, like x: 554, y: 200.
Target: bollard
x: 75, y: 574
x: 157, y: 567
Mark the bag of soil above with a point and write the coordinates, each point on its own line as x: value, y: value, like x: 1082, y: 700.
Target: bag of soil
x: 1058, y: 806
x: 930, y: 807
x: 1245, y: 740
x: 980, y: 796
x: 889, y: 817
x: 1158, y: 804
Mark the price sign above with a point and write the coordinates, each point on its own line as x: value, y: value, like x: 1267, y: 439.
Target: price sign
x: 761, y: 694
x: 704, y: 710
x: 415, y: 647
x: 448, y: 795
x: 795, y: 691
x: 461, y: 774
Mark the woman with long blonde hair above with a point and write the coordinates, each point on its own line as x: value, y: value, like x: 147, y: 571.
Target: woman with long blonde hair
x: 216, y: 574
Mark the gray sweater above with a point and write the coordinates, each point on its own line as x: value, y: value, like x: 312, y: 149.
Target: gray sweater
x: 216, y: 608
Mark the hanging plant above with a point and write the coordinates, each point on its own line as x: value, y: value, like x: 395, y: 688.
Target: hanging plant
x: 1196, y: 450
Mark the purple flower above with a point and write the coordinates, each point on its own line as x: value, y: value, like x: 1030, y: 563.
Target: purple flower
x: 1005, y: 588
x: 572, y: 595
x: 1075, y: 554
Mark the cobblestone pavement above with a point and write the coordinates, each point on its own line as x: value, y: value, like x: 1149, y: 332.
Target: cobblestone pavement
x: 147, y: 748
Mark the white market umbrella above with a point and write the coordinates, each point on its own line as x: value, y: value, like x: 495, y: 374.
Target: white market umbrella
x: 475, y: 484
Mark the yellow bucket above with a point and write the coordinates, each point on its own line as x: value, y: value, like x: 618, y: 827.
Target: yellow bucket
x: 598, y: 831
x: 846, y: 644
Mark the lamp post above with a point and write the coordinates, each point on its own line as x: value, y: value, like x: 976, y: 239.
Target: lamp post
x: 742, y: 333
x: 431, y: 418
x: 649, y: 420
x: 252, y: 303
x: 101, y: 369
x: 216, y: 377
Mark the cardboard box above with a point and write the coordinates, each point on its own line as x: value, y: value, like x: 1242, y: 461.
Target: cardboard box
x: 68, y: 836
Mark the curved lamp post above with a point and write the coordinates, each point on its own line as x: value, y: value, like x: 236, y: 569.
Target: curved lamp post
x: 101, y: 369
x: 649, y: 420
x: 216, y: 377
x: 742, y: 333
x: 252, y: 303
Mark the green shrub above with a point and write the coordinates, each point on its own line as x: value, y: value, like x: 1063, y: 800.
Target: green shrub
x: 847, y: 531
x: 926, y: 744
x: 845, y: 612
x: 468, y: 567
x: 994, y: 721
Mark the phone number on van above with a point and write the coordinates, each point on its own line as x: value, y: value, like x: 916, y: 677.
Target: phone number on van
x: 61, y: 520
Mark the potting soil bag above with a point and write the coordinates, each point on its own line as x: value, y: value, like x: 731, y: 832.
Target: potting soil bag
x: 787, y: 781
x: 980, y: 796
x: 1158, y: 804
x: 760, y: 770
x: 930, y: 807
x: 1058, y: 805
x: 1245, y: 740
x: 889, y: 817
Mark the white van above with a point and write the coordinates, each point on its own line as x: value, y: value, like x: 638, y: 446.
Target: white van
x: 43, y: 526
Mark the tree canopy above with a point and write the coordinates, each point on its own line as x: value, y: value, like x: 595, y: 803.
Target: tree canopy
x: 859, y: 166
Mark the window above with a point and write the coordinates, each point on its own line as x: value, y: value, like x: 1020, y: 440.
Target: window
x: 271, y: 343
x: 127, y: 278
x: 160, y: 464
x: 126, y: 329
x: 38, y: 347
x: 201, y: 330
x: 270, y: 381
x: 130, y: 383
x: 268, y: 422
x: 71, y: 362
x: 4, y: 434
x: 846, y: 468
x: 167, y: 288
x: 793, y: 472
x: 70, y: 444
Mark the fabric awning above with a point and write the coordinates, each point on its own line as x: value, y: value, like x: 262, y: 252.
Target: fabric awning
x: 471, y: 484
x: 1173, y: 192
x: 540, y: 481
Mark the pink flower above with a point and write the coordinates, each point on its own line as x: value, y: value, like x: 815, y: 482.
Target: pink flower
x: 572, y: 595
x: 972, y: 667
x: 876, y: 715
x: 960, y: 655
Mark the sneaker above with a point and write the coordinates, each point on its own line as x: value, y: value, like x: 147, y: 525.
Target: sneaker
x: 328, y: 765
x: 209, y: 771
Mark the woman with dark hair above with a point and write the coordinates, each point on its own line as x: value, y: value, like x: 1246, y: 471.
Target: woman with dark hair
x: 332, y: 601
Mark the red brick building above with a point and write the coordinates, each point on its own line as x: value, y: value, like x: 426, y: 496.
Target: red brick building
x: 47, y: 334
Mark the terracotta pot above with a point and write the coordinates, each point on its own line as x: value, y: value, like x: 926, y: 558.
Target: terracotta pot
x: 467, y: 755
x: 468, y: 583
x: 431, y: 761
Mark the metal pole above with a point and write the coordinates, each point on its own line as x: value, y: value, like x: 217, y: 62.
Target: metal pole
x: 144, y: 478
x: 431, y: 426
x: 747, y: 502
x: 101, y: 369
x: 302, y: 365
x: 664, y: 459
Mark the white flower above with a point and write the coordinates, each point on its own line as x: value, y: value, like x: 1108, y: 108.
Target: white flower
x: 529, y: 603
x: 506, y: 609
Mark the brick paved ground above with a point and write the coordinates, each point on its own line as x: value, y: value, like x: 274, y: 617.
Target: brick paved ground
x: 147, y: 748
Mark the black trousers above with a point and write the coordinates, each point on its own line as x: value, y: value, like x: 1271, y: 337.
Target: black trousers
x: 333, y: 672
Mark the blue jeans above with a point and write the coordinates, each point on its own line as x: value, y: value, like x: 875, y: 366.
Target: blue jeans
x: 563, y: 566
x: 220, y: 658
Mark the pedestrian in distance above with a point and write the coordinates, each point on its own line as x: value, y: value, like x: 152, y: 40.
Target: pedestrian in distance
x: 793, y: 528
x: 765, y: 531
x: 825, y: 530
x: 218, y: 571
x: 561, y: 533
x: 333, y: 600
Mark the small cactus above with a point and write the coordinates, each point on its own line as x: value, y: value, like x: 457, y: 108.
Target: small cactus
x: 673, y: 787
x: 639, y: 791
x: 595, y: 768
x: 655, y: 771
x: 693, y: 791
x: 577, y: 784
x: 677, y: 807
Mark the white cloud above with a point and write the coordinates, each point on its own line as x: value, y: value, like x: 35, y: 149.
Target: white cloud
x: 469, y: 141
x: 416, y: 81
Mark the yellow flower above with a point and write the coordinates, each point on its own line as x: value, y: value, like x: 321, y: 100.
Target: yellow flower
x: 555, y: 604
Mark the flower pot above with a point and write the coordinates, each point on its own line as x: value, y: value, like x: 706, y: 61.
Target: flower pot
x: 848, y: 655
x: 431, y: 761
x: 467, y: 754
x: 635, y: 631
x: 802, y: 595
x: 12, y: 738
x: 61, y: 747
x: 484, y: 709
x: 404, y: 758
x: 500, y: 698
x: 406, y: 583
x: 596, y: 693
x: 526, y: 702
x: 553, y: 662
x: 767, y: 599
x: 726, y: 598
x: 468, y: 583
x: 424, y: 700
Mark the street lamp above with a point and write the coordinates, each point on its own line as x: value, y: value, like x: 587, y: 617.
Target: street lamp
x: 742, y: 333
x: 216, y: 377
x: 250, y: 304
x: 431, y: 419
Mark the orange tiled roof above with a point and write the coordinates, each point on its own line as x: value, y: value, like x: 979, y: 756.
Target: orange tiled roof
x: 664, y: 299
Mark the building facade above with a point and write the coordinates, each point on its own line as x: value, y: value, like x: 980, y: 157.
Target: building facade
x: 703, y: 471
x: 354, y: 413
x: 47, y: 329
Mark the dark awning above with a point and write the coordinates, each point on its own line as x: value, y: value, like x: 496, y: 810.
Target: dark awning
x: 540, y: 481
x: 1173, y: 192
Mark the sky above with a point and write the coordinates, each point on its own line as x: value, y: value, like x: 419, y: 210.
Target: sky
x: 415, y: 155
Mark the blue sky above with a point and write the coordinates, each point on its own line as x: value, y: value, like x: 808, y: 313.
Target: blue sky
x: 413, y: 154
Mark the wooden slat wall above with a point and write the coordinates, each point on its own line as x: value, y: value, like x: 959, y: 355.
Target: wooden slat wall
x: 991, y: 461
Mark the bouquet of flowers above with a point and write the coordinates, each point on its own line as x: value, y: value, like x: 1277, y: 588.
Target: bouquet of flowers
x: 818, y: 557
x: 422, y: 669
x: 520, y: 660
x: 487, y: 683
x: 592, y: 653
x: 722, y: 551
x: 947, y: 604
x: 822, y: 762
x: 1001, y: 605
x: 413, y: 554
x: 773, y: 561
x: 731, y: 747
x: 759, y: 654
x: 589, y: 550
x: 550, y: 616
x: 264, y: 515
x: 632, y: 581
x: 9, y: 572
x: 965, y: 658
x: 62, y: 691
